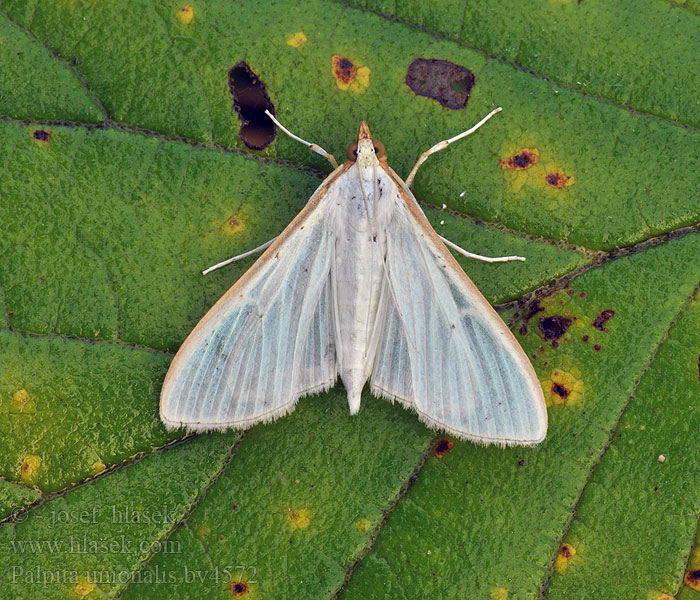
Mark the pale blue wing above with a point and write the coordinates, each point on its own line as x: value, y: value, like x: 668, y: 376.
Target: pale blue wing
x: 268, y: 341
x: 442, y: 349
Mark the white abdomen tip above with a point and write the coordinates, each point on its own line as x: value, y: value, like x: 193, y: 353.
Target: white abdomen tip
x: 354, y: 400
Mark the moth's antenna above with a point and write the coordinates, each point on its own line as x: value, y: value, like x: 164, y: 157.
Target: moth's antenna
x: 442, y: 145
x: 228, y: 261
x: 489, y: 259
x: 315, y: 147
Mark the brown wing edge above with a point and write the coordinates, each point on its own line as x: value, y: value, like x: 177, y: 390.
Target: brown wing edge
x: 214, y: 311
x: 505, y: 333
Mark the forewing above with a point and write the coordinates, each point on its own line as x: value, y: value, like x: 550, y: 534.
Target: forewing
x: 268, y: 340
x: 442, y: 349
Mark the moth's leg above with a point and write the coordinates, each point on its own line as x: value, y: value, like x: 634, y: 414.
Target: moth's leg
x: 228, y: 261
x: 442, y: 145
x: 315, y: 147
x: 464, y: 252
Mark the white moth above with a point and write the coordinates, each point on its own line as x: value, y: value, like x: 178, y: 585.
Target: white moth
x: 358, y: 285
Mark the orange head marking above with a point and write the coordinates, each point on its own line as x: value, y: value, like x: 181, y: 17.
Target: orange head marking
x: 363, y: 132
x: 371, y: 147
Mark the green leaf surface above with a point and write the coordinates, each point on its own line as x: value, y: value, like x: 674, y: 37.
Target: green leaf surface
x: 123, y: 176
x: 652, y: 66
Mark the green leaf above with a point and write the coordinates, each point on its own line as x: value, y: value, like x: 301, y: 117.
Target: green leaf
x: 123, y: 175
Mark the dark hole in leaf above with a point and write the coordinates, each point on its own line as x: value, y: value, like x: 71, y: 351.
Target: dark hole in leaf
x: 250, y: 100
x: 553, y: 327
x: 443, y: 447
x: 440, y: 80
x: 600, y: 320
x: 42, y: 135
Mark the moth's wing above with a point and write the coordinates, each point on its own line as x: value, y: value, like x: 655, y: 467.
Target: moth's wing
x: 269, y: 339
x: 442, y: 349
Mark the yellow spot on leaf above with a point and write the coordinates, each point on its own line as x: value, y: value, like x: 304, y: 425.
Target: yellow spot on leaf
x: 83, y: 587
x: 299, y: 518
x: 349, y: 76
x: 22, y: 401
x: 30, y: 468
x: 233, y: 225
x: 97, y: 467
x: 362, y: 525
x: 565, y: 554
x: 185, y: 14
x: 563, y: 387
x: 296, y: 39
x: 499, y: 593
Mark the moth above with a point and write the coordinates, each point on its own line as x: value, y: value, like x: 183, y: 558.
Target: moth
x: 358, y: 285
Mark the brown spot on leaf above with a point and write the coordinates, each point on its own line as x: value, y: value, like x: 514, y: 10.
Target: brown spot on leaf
x: 565, y: 554
x: 239, y: 588
x: 560, y: 390
x: 250, y: 100
x: 443, y: 447
x: 521, y: 161
x: 343, y: 70
x: 566, y: 551
x: 558, y: 180
x: 349, y: 76
x: 602, y: 318
x: 42, y: 135
x: 692, y: 579
x: 585, y: 338
x: 532, y: 310
x: 553, y: 327
x: 596, y: 347
x: 699, y: 367
x: 440, y: 80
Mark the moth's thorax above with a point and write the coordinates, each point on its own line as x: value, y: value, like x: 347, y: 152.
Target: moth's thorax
x: 366, y: 156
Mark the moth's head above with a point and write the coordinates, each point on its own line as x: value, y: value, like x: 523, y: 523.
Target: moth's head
x: 365, y: 150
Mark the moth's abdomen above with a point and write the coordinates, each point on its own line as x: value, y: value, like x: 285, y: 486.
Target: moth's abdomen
x: 357, y: 275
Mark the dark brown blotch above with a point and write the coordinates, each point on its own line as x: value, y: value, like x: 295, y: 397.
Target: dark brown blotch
x: 531, y: 311
x: 42, y: 135
x: 560, y: 390
x: 521, y: 161
x: 565, y: 551
x: 441, y: 80
x: 239, y: 588
x: 693, y: 577
x: 443, y: 446
x: 554, y: 327
x: 596, y: 347
x: 558, y: 180
x: 344, y: 69
x: 250, y: 100
x: 602, y: 318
